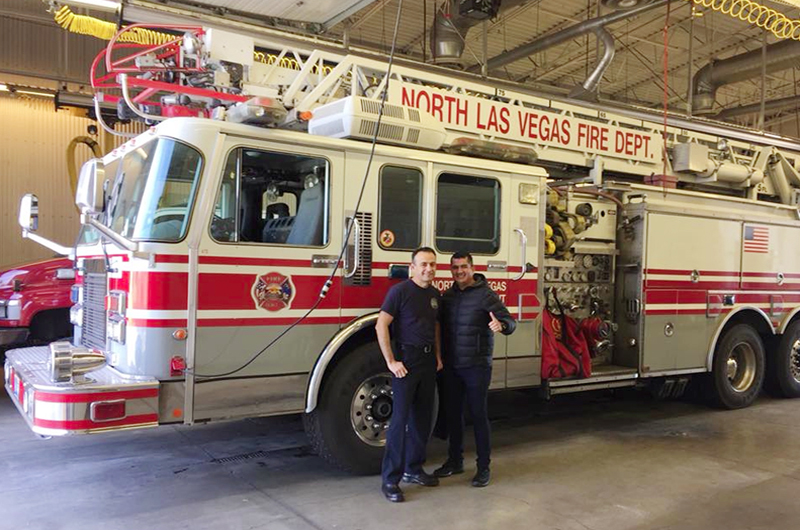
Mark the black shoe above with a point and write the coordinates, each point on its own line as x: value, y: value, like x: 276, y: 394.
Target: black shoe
x: 393, y: 493
x: 421, y: 478
x: 481, y: 478
x: 449, y: 468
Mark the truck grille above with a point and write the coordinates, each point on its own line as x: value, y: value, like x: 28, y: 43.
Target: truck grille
x: 93, y: 330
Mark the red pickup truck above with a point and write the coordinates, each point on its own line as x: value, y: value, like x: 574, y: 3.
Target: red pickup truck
x: 35, y: 301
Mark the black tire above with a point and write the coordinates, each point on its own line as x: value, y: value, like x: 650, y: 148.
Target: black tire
x: 783, y: 367
x: 738, y: 369
x: 330, y: 428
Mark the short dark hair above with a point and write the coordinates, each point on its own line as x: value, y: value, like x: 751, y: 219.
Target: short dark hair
x: 462, y: 255
x: 422, y: 249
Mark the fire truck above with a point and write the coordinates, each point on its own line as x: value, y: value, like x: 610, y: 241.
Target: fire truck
x: 233, y: 257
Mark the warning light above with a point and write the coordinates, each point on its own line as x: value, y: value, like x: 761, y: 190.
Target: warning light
x: 177, y: 365
x: 179, y: 334
x: 107, y: 410
x: 306, y: 115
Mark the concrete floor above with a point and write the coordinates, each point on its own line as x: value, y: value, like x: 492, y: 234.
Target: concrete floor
x: 585, y: 463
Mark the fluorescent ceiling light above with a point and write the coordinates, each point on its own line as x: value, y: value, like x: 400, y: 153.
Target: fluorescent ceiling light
x: 104, y: 5
x: 4, y: 87
x: 35, y: 93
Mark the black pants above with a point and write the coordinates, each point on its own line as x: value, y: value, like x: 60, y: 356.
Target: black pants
x: 410, y: 425
x: 471, y: 385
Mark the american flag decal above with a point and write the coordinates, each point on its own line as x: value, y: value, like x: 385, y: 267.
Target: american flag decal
x: 756, y: 239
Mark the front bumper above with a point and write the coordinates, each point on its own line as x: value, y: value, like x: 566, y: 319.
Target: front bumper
x: 9, y: 336
x: 58, y: 409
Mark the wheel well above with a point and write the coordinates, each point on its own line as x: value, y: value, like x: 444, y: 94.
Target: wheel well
x: 752, y: 318
x: 50, y: 324
x: 359, y: 338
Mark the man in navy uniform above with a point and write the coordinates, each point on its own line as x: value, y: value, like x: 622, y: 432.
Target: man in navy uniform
x: 471, y: 314
x: 411, y: 308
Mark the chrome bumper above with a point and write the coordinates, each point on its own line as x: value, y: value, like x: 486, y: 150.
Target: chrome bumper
x: 58, y: 409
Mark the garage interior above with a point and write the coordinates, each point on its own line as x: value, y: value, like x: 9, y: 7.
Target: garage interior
x: 606, y: 460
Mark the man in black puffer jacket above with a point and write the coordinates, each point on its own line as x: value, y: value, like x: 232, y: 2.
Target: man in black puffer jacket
x: 471, y: 314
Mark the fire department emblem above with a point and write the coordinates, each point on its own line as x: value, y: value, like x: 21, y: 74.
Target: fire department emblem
x: 273, y: 291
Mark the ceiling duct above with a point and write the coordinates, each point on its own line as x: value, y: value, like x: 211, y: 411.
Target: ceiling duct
x: 769, y: 106
x: 453, y: 21
x: 779, y: 56
x: 586, y: 90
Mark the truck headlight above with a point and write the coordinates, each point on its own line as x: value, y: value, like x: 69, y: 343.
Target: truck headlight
x: 116, y: 305
x: 13, y: 310
x: 76, y: 315
x: 115, y: 327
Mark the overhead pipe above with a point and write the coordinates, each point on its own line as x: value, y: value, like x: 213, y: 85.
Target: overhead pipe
x: 780, y: 56
x: 595, y: 25
x: 587, y: 90
x: 774, y: 104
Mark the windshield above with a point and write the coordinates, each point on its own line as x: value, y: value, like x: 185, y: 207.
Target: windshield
x: 151, y: 197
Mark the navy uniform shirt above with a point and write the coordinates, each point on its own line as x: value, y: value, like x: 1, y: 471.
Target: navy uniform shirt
x: 415, y: 311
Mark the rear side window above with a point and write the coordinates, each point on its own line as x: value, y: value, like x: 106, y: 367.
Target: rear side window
x: 400, y: 214
x: 467, y: 214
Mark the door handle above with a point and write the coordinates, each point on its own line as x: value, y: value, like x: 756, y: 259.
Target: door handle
x: 356, y: 250
x: 524, y: 241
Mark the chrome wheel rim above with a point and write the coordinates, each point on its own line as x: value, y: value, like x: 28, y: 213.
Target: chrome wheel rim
x: 794, y: 361
x: 741, y: 367
x: 371, y: 409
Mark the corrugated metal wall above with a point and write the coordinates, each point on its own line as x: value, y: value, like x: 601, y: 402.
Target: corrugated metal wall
x: 32, y: 44
x: 33, y: 142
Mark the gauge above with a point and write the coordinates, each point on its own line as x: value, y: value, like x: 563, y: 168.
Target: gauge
x: 587, y: 261
x: 567, y: 276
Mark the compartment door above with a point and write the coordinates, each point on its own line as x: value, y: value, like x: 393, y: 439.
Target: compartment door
x: 523, y: 294
x: 686, y: 258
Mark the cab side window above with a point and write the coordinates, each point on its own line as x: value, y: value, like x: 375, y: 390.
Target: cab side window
x: 400, y: 213
x: 272, y: 198
x: 467, y: 214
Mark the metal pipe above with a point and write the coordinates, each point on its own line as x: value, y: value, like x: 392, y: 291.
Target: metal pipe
x: 780, y: 56
x: 564, y: 35
x: 774, y: 104
x: 587, y: 90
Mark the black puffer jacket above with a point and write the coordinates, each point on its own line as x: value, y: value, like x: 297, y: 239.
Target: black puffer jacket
x: 466, y: 337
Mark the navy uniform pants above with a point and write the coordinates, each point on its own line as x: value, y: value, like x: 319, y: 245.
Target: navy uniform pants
x: 412, y: 411
x: 469, y: 384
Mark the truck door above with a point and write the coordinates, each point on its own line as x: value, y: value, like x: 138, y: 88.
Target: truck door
x: 472, y: 214
x: 523, y: 295
x: 273, y: 236
x: 388, y: 227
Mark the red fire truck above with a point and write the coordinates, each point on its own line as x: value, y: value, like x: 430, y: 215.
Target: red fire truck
x: 232, y: 263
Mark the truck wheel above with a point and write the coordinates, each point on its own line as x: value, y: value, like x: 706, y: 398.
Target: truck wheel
x: 348, y: 427
x: 784, y: 364
x: 738, y: 370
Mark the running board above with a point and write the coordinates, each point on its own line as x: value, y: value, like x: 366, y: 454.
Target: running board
x: 600, y: 382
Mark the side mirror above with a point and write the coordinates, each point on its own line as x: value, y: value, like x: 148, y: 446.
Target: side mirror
x: 29, y: 212
x: 89, y: 195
